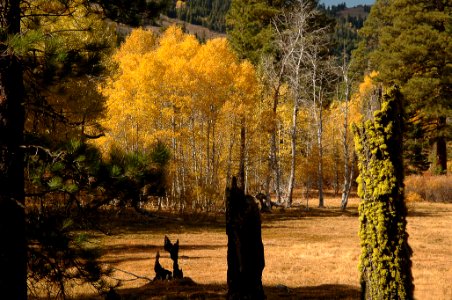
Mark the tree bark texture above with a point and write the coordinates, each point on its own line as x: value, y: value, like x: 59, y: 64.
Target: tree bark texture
x: 245, y: 249
x: 293, y: 143
x: 385, y: 262
x: 320, y: 163
x: 348, y: 168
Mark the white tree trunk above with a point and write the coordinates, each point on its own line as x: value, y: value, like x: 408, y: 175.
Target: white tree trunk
x: 293, y: 155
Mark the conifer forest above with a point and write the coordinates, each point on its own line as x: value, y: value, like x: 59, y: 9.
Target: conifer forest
x: 239, y: 149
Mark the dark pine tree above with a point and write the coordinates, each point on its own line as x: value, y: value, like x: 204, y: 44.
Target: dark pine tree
x: 13, y: 257
x: 13, y: 247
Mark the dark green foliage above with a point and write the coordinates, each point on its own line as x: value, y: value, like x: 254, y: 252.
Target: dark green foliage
x: 408, y: 42
x: 385, y: 263
x: 249, y: 27
x: 160, y: 154
x: 417, y: 147
x: 66, y: 184
x: 74, y: 176
x: 345, y: 36
x: 58, y: 257
x: 134, y: 12
x: 128, y: 177
x: 59, y: 179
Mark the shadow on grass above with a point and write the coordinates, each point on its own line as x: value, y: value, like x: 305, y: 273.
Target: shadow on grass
x: 187, y: 289
x: 115, y: 254
x: 300, y: 213
x: 171, y: 223
x: 146, y: 248
x: 167, y: 223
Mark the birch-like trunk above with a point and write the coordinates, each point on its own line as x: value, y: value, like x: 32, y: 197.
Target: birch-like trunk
x: 293, y: 154
x: 241, y: 181
x: 317, y: 104
x: 320, y: 163
x: 348, y: 174
x: 274, y: 164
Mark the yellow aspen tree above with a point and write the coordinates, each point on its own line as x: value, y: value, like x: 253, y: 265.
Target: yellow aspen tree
x: 175, y: 90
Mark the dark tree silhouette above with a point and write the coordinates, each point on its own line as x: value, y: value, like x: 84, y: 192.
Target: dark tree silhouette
x: 173, y: 250
x: 160, y: 272
x: 245, y: 249
x: 13, y: 257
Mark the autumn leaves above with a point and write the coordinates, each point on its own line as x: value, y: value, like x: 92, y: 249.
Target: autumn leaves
x: 191, y: 96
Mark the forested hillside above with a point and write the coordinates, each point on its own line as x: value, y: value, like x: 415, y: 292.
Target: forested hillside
x: 348, y: 22
x: 208, y: 13
x: 212, y: 14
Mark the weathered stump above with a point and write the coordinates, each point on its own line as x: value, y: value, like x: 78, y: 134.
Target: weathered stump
x: 173, y: 250
x: 245, y: 249
x: 162, y: 273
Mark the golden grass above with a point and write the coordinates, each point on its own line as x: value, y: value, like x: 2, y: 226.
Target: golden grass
x: 309, y: 255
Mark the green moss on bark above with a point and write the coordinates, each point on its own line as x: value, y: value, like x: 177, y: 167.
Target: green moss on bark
x: 385, y: 263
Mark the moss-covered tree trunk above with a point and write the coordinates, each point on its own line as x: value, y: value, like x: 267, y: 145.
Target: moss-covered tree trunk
x: 385, y: 263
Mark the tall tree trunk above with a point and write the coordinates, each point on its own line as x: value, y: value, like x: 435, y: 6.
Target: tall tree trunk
x: 385, y: 261
x: 293, y: 155
x: 195, y: 167
x: 214, y: 153
x: 242, y: 154
x: 273, y: 162
x: 176, y: 183
x: 441, y: 147
x: 13, y: 248
x: 320, y: 152
x: 346, y: 146
x: 229, y: 162
x: 320, y: 164
x: 207, y: 174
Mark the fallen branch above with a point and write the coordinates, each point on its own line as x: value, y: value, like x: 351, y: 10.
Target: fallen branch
x: 131, y: 274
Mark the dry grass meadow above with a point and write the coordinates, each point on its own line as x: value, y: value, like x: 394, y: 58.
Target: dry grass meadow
x: 309, y: 255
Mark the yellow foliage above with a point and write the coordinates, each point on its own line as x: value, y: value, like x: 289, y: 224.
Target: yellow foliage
x: 139, y: 42
x: 360, y: 99
x: 188, y: 95
x: 413, y: 197
x: 65, y: 37
x: 74, y: 27
x: 368, y: 84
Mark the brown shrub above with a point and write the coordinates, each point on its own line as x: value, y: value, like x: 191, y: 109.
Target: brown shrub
x: 412, y: 197
x: 429, y: 188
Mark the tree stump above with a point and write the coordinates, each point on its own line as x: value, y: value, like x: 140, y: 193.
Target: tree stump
x: 173, y: 250
x: 162, y: 273
x: 245, y: 249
